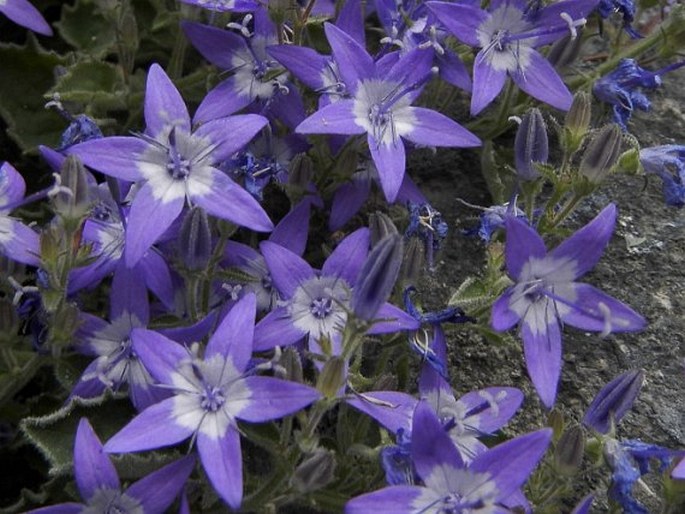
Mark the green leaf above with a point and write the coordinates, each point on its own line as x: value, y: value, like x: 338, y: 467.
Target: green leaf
x: 98, y: 85
x: 54, y: 434
x: 83, y: 27
x: 27, y: 73
x: 13, y: 380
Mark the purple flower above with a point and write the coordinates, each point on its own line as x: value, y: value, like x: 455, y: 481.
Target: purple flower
x: 667, y: 161
x: 427, y: 223
x: 507, y: 35
x: 626, y: 8
x: 99, y: 485
x: 23, y: 13
x: 175, y: 164
x: 209, y: 395
x: 448, y: 484
x: 546, y: 294
x: 17, y: 241
x: 380, y: 106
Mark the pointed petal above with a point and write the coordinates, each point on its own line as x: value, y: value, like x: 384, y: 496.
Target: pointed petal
x: 509, y: 464
x: 390, y: 162
x: 501, y: 403
x: 288, y: 270
x: 62, y: 508
x: 335, y: 118
x: 542, y: 351
x: 272, y: 398
x: 157, y: 277
x: 157, y: 491
x: 305, y: 63
x: 232, y: 133
x: 25, y: 14
x: 223, y: 100
x: 218, y: 46
x: 12, y: 185
x: 18, y: 242
x: 163, y: 207
x: 430, y: 381
x: 351, y: 21
x: 597, y: 311
x: 155, y: 427
x: 223, y: 462
x: 347, y: 201
x: 114, y: 156
x: 550, y: 16
x: 164, y: 106
x: 502, y: 317
x: 523, y: 243
x: 460, y: 19
x: 354, y: 63
x: 159, y: 354
x: 348, y: 257
x: 292, y: 231
x: 397, y: 499
x: 487, y: 83
x: 391, y: 409
x: 233, y: 337
x: 92, y: 467
x: 392, y: 319
x: 411, y: 68
x: 276, y: 329
x: 221, y: 197
x: 129, y: 294
x: 585, y: 247
x: 540, y: 80
x: 452, y: 70
x: 434, y: 129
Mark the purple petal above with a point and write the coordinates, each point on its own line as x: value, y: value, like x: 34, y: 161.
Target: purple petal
x: 216, y: 45
x: 509, y: 464
x: 62, y: 508
x: 12, y: 185
x: 129, y: 294
x: 158, y: 490
x: 461, y: 20
x: 348, y: 257
x: 288, y: 270
x: 409, y: 192
x: 429, y: 379
x: 431, y: 128
x: 164, y: 106
x: 487, y: 83
x: 159, y: 354
x: 597, y: 311
x: 335, y: 118
x: 304, y: 63
x: 351, y: 21
x: 287, y: 107
x: 540, y: 80
x: 223, y: 100
x: 233, y: 337
x: 347, y: 201
x: 155, y: 427
x: 679, y: 471
x: 584, y: 505
x: 550, y: 16
x: 502, y: 404
x: 276, y: 329
x: 149, y: 206
x: 392, y: 319
x: 272, y: 398
x: 390, y: 163
x: 542, y: 350
x: 397, y: 499
x: 585, y: 247
x: 157, y: 277
x: 223, y: 462
x: 354, y: 63
x: 502, y: 317
x: 391, y: 409
x: 292, y: 230
x: 92, y: 467
x: 412, y: 68
x: 23, y: 244
x: 452, y: 70
x: 223, y: 198
x: 23, y: 13
x: 231, y: 134
x: 522, y: 244
x: 114, y: 156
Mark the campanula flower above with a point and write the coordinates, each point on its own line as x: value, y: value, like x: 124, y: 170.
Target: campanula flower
x: 626, y: 8
x: 23, y: 13
x: 668, y: 162
x: 545, y: 295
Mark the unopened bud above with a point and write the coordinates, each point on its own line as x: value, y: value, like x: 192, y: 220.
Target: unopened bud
x: 72, y: 198
x: 602, y: 153
x: 380, y: 226
x: 568, y: 455
x: 577, y: 121
x: 613, y: 401
x: 629, y: 161
x: 301, y: 171
x: 531, y: 145
x: 332, y: 377
x: 292, y: 364
x: 377, y: 277
x: 195, y: 239
x: 414, y: 260
x: 565, y: 51
x: 314, y: 472
x: 555, y: 420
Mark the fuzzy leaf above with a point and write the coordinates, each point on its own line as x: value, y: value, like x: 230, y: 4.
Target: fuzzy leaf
x: 84, y: 28
x: 99, y: 85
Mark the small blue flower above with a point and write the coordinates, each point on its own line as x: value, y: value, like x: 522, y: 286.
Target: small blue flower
x: 667, y: 161
x: 626, y: 8
x: 427, y: 224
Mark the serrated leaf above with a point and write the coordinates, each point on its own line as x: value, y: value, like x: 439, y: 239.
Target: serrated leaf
x: 53, y: 435
x: 98, y: 85
x: 27, y: 73
x: 84, y: 28
x: 13, y: 380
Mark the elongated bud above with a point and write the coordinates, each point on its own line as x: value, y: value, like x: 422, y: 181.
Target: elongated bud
x: 531, y: 145
x: 613, y: 401
x: 72, y: 198
x: 314, y: 472
x: 414, y: 260
x: 301, y: 171
x: 568, y: 455
x: 377, y: 277
x: 380, y: 226
x: 565, y: 50
x: 195, y: 239
x: 577, y: 121
x: 602, y: 153
x: 332, y: 377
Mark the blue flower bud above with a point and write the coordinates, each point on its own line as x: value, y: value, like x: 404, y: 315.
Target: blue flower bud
x: 195, y: 241
x: 531, y: 145
x: 613, y: 401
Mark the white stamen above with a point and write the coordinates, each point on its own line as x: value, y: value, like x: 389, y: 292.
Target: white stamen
x: 573, y: 24
x: 516, y: 119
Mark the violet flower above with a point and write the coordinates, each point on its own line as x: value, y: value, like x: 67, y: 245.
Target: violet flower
x: 427, y: 224
x: 175, y: 165
x: 626, y: 8
x: 507, y: 35
x: 99, y: 485
x: 448, y: 484
x: 668, y: 162
x: 209, y: 395
x: 380, y: 107
x: 17, y: 241
x: 23, y: 13
x: 546, y: 294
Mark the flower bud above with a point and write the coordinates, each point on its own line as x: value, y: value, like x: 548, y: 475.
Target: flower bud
x: 613, y: 401
x: 602, y: 153
x: 568, y: 454
x: 301, y: 171
x: 332, y: 377
x: 414, y: 260
x: 314, y: 472
x: 565, y: 50
x: 377, y: 277
x: 531, y: 145
x: 72, y: 197
x: 292, y: 364
x: 380, y: 226
x: 577, y: 121
x: 195, y: 239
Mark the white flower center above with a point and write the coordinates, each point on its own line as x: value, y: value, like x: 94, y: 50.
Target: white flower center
x: 495, y: 35
x: 383, y: 109
x: 319, y: 306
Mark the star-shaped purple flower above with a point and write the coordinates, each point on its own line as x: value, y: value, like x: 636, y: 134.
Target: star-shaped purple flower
x: 209, y: 395
x: 175, y: 165
x: 546, y: 294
